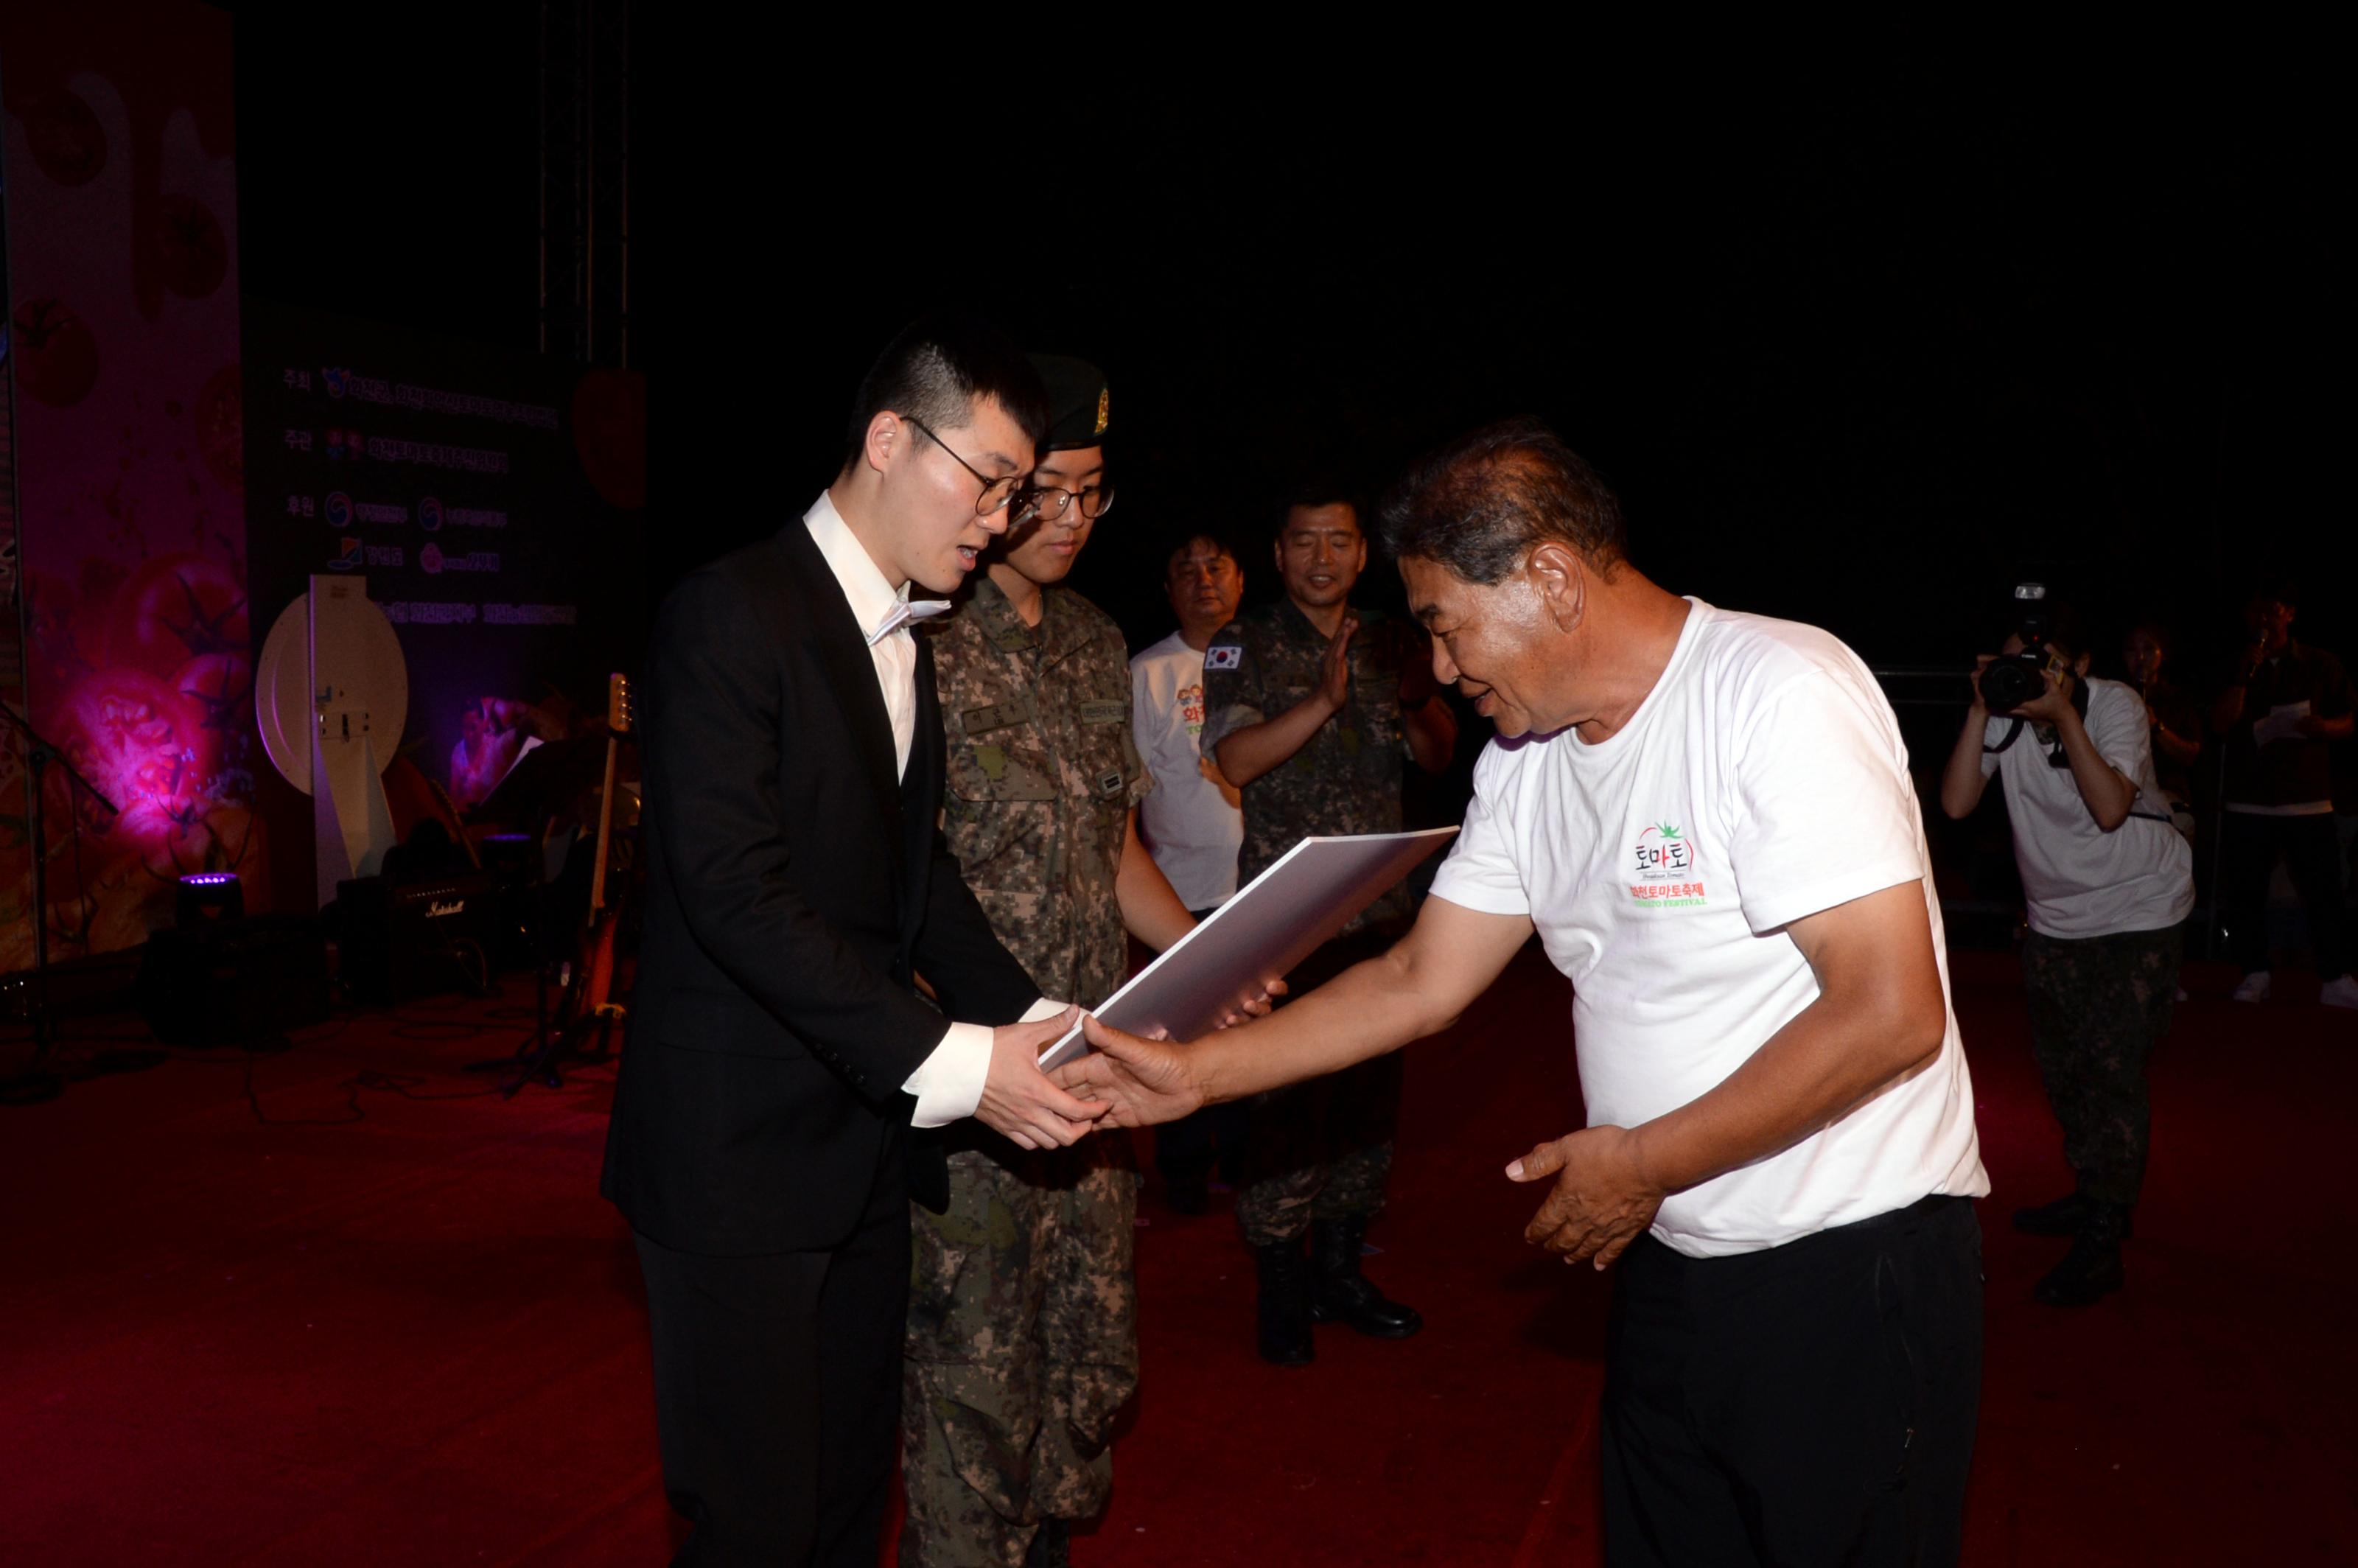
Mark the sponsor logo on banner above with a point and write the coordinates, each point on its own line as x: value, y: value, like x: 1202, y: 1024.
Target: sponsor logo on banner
x: 339, y: 509
x: 350, y: 555
x: 436, y: 560
x: 1223, y: 658
x: 333, y: 380
x: 429, y: 514
x: 1669, y: 872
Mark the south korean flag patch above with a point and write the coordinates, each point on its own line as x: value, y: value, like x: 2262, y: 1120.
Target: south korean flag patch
x: 1223, y: 658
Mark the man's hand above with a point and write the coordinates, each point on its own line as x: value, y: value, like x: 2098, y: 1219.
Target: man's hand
x: 1017, y: 1097
x: 1258, y: 1007
x: 1134, y: 1082
x: 1978, y: 710
x: 1334, y: 671
x: 2050, y: 706
x: 1603, y: 1199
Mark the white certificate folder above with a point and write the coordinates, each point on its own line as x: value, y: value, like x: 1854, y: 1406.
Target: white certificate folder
x: 1279, y: 918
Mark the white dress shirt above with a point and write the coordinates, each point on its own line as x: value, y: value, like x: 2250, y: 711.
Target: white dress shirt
x: 948, y: 1082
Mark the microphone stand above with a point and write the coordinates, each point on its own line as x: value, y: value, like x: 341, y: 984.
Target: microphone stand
x: 40, y: 1081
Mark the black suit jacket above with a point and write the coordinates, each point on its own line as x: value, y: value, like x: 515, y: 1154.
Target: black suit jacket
x: 794, y: 886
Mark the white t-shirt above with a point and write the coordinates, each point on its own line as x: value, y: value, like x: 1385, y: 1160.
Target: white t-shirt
x: 1761, y: 780
x: 1191, y: 820
x: 2078, y: 880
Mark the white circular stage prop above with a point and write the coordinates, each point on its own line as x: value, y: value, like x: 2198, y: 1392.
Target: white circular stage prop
x: 283, y: 704
x: 330, y: 696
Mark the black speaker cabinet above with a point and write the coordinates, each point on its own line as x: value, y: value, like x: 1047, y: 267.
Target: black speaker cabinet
x: 226, y: 982
x: 399, y: 940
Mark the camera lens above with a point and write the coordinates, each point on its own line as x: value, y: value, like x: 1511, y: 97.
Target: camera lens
x: 2010, y: 682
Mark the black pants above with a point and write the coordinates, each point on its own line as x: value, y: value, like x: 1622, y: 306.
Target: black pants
x: 1813, y: 1403
x: 778, y: 1390
x: 1323, y: 1149
x: 2312, y: 856
x: 1184, y: 1150
x: 2098, y: 1007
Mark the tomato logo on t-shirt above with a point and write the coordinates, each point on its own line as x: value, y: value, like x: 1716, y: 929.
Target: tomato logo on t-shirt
x: 1665, y: 866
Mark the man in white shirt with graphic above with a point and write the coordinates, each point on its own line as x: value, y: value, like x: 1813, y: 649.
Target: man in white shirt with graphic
x: 1707, y: 818
x: 1194, y: 822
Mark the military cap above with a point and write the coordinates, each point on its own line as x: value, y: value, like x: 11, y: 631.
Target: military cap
x: 1076, y: 401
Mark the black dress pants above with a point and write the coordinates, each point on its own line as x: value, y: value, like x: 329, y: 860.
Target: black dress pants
x: 2311, y: 852
x: 1813, y: 1403
x: 778, y: 1390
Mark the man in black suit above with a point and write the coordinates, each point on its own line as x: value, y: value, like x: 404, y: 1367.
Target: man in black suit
x: 798, y: 887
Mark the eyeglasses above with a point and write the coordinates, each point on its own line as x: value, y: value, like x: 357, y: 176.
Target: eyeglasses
x: 996, y: 492
x: 1048, y: 501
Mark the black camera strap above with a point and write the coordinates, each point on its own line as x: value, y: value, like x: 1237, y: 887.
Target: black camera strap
x: 2014, y: 732
x: 2012, y: 735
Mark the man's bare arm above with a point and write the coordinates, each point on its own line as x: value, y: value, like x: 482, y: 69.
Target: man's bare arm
x: 1418, y: 988
x: 1150, y: 909
x: 1879, y: 1017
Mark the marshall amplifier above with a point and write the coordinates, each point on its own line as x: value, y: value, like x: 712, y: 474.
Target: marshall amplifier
x: 399, y: 940
x: 229, y: 982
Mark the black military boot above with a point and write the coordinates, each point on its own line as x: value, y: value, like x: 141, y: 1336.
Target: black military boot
x: 2091, y: 1269
x: 2064, y: 1216
x: 1284, y: 1313
x: 1052, y: 1546
x: 1343, y: 1294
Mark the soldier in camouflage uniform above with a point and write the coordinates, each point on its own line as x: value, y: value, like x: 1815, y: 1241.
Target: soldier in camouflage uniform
x: 1022, y: 1339
x: 1311, y: 707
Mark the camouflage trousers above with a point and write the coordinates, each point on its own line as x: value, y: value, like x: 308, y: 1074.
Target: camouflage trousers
x: 1322, y: 1150
x: 2098, y: 1007
x: 1023, y: 1347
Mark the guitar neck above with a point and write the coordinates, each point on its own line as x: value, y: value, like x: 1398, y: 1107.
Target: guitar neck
x: 605, y: 831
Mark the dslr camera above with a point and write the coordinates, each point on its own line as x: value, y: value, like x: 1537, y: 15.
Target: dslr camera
x: 2012, y: 679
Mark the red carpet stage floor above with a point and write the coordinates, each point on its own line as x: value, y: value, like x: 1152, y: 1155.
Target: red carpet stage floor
x: 393, y: 1325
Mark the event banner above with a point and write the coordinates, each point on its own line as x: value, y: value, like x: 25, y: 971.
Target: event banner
x: 121, y: 196
x: 492, y: 501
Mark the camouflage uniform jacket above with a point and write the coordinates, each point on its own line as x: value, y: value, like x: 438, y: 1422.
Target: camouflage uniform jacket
x: 1043, y: 773
x: 1346, y: 777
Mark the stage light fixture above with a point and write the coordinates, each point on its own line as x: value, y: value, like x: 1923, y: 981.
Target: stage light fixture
x: 208, y: 897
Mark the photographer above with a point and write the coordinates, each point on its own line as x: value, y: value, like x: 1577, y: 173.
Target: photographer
x: 2108, y: 883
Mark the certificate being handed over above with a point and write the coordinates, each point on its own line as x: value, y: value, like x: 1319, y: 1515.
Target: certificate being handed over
x: 1282, y: 917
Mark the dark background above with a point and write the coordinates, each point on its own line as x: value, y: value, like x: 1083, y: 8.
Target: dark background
x: 1859, y: 349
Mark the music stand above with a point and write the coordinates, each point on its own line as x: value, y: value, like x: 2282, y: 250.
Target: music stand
x: 544, y: 780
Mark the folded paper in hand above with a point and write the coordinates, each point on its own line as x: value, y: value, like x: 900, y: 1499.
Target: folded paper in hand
x: 2283, y: 723
x: 1277, y: 920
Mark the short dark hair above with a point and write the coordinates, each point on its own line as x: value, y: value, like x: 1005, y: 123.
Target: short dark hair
x: 1199, y: 536
x: 938, y: 369
x: 1478, y: 504
x: 1314, y: 490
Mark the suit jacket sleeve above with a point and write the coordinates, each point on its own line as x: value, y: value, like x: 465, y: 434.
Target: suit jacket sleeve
x: 712, y: 749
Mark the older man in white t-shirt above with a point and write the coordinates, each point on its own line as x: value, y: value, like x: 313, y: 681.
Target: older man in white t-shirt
x: 1707, y: 818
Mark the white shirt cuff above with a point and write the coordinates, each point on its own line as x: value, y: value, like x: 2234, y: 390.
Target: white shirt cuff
x: 948, y: 1082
